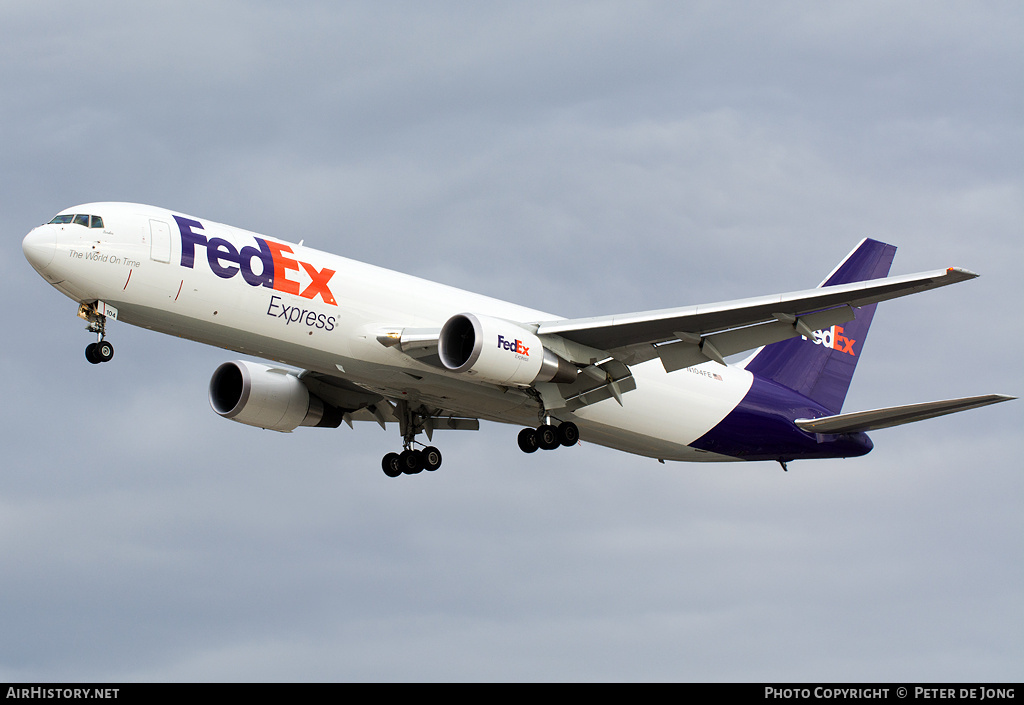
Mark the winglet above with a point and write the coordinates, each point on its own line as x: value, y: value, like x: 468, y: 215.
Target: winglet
x: 961, y: 273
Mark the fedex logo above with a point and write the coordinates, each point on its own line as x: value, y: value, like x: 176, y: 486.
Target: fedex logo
x: 274, y: 263
x: 515, y: 346
x: 833, y: 338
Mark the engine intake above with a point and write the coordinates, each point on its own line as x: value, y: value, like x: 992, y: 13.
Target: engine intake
x: 500, y: 352
x: 267, y: 397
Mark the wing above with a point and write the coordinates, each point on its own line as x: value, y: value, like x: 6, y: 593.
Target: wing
x: 691, y: 335
x: 359, y: 404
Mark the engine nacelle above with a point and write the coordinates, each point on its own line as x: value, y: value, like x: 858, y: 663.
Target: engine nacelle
x: 267, y: 397
x: 500, y: 352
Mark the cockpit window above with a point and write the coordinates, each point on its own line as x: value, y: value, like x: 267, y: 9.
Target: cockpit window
x: 89, y: 221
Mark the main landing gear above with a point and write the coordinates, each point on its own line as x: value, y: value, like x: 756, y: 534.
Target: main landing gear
x: 102, y: 350
x: 548, y: 437
x: 411, y: 461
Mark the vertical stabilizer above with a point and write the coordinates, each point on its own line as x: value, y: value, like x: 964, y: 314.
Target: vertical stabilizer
x: 822, y: 367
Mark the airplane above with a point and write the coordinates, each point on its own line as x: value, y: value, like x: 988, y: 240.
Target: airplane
x: 351, y: 342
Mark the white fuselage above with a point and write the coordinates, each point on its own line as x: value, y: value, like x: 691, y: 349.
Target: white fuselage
x: 325, y: 314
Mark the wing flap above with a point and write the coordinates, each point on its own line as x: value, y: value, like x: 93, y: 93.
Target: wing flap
x: 875, y: 419
x: 694, y: 350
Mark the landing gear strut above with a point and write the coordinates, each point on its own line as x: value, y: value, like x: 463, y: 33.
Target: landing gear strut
x: 102, y: 350
x: 411, y: 461
x: 548, y: 437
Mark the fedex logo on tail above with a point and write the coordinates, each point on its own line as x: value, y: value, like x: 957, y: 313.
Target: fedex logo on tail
x: 515, y: 346
x: 833, y: 338
x: 275, y: 263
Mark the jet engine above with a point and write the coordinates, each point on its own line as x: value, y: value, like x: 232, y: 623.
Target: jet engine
x: 267, y: 397
x: 500, y: 352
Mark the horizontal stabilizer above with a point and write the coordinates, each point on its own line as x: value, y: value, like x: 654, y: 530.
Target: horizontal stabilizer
x: 896, y: 415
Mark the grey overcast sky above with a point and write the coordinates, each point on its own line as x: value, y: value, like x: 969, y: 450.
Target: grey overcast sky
x: 578, y: 157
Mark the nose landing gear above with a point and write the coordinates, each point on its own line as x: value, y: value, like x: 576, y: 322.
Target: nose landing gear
x: 102, y: 350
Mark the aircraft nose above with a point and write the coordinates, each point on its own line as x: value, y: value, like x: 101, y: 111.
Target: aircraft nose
x: 39, y: 246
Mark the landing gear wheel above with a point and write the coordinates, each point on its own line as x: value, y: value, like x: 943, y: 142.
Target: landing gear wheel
x: 104, y: 351
x: 391, y: 466
x: 547, y: 437
x: 431, y: 458
x: 99, y: 352
x: 411, y: 462
x: 528, y: 440
x: 568, y: 434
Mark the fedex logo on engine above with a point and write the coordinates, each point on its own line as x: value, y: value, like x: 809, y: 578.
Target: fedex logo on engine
x: 515, y: 346
x: 833, y: 338
x: 226, y: 261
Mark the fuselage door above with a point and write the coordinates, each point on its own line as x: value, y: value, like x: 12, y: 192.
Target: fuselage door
x: 160, y: 232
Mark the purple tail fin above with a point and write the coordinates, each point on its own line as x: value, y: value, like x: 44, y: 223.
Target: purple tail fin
x: 822, y: 368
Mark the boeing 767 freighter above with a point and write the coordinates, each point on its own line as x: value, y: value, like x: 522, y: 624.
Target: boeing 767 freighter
x: 352, y: 342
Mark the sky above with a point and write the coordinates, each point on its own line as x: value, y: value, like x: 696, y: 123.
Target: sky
x: 584, y: 158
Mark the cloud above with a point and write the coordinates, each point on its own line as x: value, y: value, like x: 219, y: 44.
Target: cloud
x: 577, y: 158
